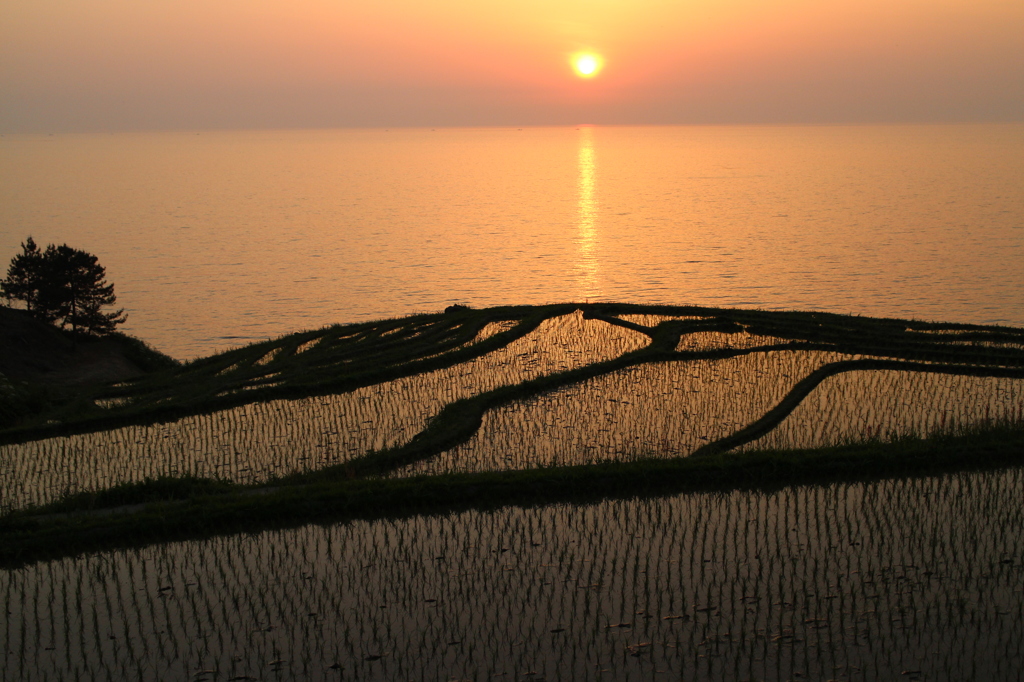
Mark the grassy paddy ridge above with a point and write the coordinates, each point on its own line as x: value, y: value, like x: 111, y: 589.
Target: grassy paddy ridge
x: 914, y: 577
x: 506, y: 404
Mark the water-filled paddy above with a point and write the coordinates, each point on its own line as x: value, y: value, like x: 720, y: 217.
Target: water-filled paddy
x: 886, y: 404
x: 666, y: 409
x: 254, y: 442
x: 917, y: 578
x: 713, y: 377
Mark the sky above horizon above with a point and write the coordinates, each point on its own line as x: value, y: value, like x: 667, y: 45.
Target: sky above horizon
x: 68, y: 65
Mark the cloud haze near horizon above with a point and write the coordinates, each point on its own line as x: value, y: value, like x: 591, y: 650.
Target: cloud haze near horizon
x: 195, y: 64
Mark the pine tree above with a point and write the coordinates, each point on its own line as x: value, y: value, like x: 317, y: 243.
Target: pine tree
x: 24, y: 275
x: 63, y: 285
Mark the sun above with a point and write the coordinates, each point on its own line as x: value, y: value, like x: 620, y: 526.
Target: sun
x: 587, y: 64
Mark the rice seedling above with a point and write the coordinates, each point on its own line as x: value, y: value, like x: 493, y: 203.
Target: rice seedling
x: 854, y: 580
x: 887, y: 405
x: 705, y: 341
x: 262, y: 440
x: 523, y: 387
x: 668, y: 409
x: 651, y: 321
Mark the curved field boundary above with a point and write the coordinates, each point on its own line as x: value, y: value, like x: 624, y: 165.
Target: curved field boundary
x: 65, y: 531
x: 805, y: 386
x: 199, y: 389
x: 460, y: 420
x: 342, y: 359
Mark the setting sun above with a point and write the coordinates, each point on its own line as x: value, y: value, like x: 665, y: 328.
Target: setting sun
x: 587, y: 64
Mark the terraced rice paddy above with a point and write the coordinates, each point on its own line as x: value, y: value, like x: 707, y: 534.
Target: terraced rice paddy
x: 664, y: 409
x: 916, y: 579
x: 888, y: 404
x: 257, y: 441
x: 556, y: 385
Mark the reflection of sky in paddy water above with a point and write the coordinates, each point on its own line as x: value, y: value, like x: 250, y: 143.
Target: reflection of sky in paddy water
x: 887, y: 404
x: 254, y: 442
x: 899, y: 579
x: 663, y: 409
x: 670, y: 409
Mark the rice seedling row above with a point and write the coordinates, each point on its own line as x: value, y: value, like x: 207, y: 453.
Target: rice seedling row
x: 256, y: 442
x: 888, y: 405
x: 552, y: 385
x: 904, y: 578
x: 665, y: 409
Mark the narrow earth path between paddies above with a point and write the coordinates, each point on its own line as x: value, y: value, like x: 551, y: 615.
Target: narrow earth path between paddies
x: 500, y: 404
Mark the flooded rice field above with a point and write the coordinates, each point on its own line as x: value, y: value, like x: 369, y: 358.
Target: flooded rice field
x: 254, y: 442
x: 712, y: 376
x: 666, y: 409
x: 887, y: 405
x: 915, y: 579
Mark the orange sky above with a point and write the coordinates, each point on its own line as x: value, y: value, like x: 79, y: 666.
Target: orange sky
x: 183, y: 64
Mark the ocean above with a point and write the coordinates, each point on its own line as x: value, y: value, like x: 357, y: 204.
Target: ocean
x: 217, y: 239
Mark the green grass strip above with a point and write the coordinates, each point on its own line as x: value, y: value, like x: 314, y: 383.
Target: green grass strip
x: 44, y: 533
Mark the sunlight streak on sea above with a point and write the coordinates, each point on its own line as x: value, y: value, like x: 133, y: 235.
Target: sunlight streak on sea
x: 216, y: 239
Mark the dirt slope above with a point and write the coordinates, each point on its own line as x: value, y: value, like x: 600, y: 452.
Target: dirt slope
x: 36, y: 352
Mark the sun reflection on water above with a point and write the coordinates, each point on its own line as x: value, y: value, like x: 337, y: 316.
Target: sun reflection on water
x: 587, y: 264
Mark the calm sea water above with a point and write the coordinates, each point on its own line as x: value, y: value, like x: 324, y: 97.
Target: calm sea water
x: 217, y: 239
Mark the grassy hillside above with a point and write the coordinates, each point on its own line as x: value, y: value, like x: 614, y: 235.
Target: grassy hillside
x: 45, y: 370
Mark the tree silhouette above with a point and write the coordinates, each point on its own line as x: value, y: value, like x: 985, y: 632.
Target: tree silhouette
x: 24, y: 277
x: 62, y: 285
